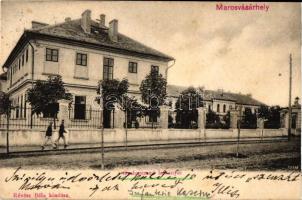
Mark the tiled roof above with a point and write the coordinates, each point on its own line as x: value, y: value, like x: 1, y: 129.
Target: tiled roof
x: 99, y: 36
x: 209, y: 95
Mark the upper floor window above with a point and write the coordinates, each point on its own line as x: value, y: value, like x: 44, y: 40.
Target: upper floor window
x: 108, y: 68
x: 155, y: 68
x: 81, y: 59
x: 19, y: 63
x: 224, y: 108
x: 26, y: 55
x: 218, y: 108
x: 52, y: 55
x: 132, y: 67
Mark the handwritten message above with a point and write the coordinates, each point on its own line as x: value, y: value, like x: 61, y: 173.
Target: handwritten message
x: 158, y: 184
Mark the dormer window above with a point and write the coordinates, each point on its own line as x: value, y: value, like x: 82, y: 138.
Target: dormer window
x: 52, y: 55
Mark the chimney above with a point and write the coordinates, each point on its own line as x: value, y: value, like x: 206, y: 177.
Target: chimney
x: 220, y: 91
x: 86, y: 21
x: 67, y: 19
x: 113, y: 30
x: 102, y: 20
x: 35, y: 24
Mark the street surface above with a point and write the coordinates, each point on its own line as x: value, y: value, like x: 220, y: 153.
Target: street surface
x: 275, y: 155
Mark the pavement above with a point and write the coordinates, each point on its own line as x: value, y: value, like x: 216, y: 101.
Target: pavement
x: 60, y: 149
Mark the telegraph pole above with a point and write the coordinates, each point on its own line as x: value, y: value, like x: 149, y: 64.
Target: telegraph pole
x: 239, y: 127
x: 290, y: 98
x: 102, y: 124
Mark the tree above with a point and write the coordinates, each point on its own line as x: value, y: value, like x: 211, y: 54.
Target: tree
x: 249, y: 119
x: 133, y: 110
x: 213, y: 120
x: 113, y: 92
x: 44, y: 96
x: 227, y: 120
x: 186, y: 107
x: 153, y: 91
x: 5, y: 103
x: 271, y: 116
x: 263, y: 112
x: 273, y: 120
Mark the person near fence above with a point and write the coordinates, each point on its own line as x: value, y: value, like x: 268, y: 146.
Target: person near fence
x: 48, y: 136
x: 62, y: 130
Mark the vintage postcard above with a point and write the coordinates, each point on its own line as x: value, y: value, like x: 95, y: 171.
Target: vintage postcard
x: 150, y: 100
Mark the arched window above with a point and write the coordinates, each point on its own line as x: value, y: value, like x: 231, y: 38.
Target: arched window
x: 224, y: 108
x: 218, y: 108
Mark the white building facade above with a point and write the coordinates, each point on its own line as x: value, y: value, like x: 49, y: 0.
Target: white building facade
x: 82, y: 52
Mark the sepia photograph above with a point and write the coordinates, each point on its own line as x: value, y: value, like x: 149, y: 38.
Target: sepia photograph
x: 150, y: 100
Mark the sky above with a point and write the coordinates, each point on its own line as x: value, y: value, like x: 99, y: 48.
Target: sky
x: 237, y: 51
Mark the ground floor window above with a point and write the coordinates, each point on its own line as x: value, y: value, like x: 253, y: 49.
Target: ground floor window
x: 80, y: 107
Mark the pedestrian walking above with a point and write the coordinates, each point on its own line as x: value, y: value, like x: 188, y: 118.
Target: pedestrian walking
x: 62, y: 130
x: 48, y: 136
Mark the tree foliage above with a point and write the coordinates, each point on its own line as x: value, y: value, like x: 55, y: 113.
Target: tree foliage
x: 153, y: 89
x: 273, y: 119
x: 112, y: 91
x: 46, y: 94
x: 5, y: 103
x: 115, y: 92
x: 263, y: 112
x: 271, y: 116
x: 249, y: 119
x: 213, y: 120
x: 186, y: 108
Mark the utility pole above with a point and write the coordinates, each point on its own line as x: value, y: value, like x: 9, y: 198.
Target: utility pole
x: 7, y: 130
x: 239, y: 127
x: 126, y: 122
x: 290, y: 98
x: 102, y: 124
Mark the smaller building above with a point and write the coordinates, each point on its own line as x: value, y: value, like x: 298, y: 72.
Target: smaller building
x: 296, y: 117
x: 219, y: 101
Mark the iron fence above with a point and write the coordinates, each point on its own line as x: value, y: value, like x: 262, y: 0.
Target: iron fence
x: 145, y: 122
x: 24, y: 119
x: 84, y: 118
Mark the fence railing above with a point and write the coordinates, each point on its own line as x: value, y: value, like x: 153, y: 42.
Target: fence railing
x: 23, y: 119
x: 85, y: 118
x: 145, y: 122
x: 92, y: 118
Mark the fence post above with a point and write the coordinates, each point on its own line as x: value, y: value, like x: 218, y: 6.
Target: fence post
x: 260, y: 125
x: 164, y: 115
x: 201, y: 123
x: 233, y: 119
x: 201, y: 118
x: 118, y: 118
x: 63, y: 112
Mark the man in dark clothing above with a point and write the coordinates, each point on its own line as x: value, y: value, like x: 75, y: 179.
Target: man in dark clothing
x: 61, y: 134
x: 48, y: 136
